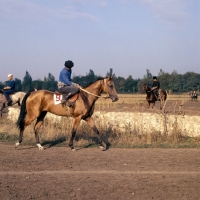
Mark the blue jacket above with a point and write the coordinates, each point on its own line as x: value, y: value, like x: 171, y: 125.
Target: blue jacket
x: 65, y: 76
x: 11, y: 84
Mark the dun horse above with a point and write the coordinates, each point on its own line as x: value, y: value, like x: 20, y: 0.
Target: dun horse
x: 36, y: 105
x: 151, y: 99
x: 16, y: 99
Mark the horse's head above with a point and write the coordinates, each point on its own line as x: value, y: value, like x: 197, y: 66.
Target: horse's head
x: 109, y: 88
x: 145, y: 88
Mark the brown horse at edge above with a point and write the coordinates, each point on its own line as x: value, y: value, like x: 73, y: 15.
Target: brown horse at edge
x: 36, y: 104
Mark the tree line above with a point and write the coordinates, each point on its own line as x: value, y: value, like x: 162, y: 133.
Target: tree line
x: 177, y: 83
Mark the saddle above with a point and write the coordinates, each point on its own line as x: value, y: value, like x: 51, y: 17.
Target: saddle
x: 70, y: 102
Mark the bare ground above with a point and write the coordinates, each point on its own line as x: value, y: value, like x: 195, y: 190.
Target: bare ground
x: 89, y: 173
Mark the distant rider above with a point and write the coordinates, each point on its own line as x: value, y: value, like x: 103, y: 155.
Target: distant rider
x: 155, y: 86
x: 9, y: 89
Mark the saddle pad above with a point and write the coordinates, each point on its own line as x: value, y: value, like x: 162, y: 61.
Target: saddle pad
x: 57, y: 98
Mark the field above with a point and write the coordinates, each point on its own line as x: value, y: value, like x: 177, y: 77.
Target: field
x: 89, y: 173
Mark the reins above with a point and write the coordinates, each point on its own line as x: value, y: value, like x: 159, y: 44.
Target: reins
x: 94, y: 94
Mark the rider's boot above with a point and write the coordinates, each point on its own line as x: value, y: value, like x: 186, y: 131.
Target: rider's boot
x: 9, y: 102
x: 65, y: 99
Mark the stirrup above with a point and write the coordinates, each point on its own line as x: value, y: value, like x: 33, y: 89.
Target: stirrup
x: 63, y: 102
x: 67, y: 103
x: 9, y: 103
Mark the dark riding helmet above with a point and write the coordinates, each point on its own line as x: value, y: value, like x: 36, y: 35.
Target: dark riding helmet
x: 69, y: 64
x: 154, y: 77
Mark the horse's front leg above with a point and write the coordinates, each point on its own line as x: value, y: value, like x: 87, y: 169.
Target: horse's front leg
x: 91, y: 123
x: 73, y: 133
x: 161, y: 104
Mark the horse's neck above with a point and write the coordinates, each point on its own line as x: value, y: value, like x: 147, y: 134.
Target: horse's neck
x: 94, y: 88
x: 148, y: 90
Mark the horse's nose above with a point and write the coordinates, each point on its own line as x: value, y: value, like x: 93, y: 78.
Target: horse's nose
x: 115, y: 99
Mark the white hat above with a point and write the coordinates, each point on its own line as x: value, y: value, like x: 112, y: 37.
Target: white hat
x: 9, y: 75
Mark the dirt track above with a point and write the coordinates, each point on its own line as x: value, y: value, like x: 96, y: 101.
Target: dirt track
x: 59, y: 173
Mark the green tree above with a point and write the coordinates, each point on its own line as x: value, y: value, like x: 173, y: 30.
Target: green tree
x: 1, y: 85
x: 18, y: 85
x: 27, y: 82
x: 164, y: 79
x: 148, y: 75
x: 129, y: 84
x: 161, y: 72
x: 90, y: 76
x: 147, y: 79
x: 110, y: 73
x: 120, y: 82
x: 38, y: 84
x: 50, y: 83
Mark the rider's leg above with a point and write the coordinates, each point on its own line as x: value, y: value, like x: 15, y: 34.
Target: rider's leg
x: 6, y: 93
x: 69, y: 91
x: 155, y: 93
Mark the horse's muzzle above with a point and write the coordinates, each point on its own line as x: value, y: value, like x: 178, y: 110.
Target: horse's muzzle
x: 114, y: 99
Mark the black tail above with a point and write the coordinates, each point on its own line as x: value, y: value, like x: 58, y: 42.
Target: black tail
x: 22, y: 114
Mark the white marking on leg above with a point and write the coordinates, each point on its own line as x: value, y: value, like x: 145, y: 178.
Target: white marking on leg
x: 40, y: 147
x: 73, y: 149
x: 102, y: 148
x: 17, y: 144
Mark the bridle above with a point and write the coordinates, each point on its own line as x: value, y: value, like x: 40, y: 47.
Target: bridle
x: 146, y: 89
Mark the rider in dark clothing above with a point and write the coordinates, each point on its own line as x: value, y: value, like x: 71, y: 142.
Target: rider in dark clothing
x: 9, y: 89
x: 155, y: 86
x: 65, y: 85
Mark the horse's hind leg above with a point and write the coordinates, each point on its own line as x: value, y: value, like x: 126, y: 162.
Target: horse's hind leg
x: 26, y: 123
x: 91, y: 123
x: 37, y: 126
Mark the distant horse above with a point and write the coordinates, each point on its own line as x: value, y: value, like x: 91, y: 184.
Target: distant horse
x: 16, y: 99
x: 194, y: 97
x: 151, y: 98
x: 36, y: 105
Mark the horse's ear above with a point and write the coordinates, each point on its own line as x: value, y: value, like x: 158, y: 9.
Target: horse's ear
x: 112, y: 76
x: 109, y: 77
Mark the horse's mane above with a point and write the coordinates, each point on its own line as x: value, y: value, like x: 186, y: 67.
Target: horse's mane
x: 99, y: 78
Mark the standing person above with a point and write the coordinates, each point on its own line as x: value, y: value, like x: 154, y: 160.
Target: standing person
x: 155, y: 86
x: 9, y: 89
x: 65, y: 85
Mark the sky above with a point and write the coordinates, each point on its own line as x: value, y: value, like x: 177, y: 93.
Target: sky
x: 128, y: 36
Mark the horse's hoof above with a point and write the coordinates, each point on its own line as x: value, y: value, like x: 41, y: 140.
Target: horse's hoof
x: 73, y: 149
x: 102, y: 148
x: 40, y: 147
x: 16, y: 145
